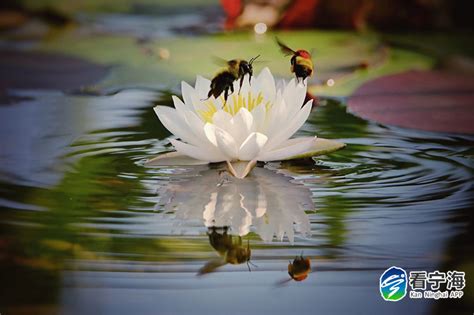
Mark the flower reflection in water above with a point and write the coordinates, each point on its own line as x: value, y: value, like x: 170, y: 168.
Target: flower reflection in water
x: 266, y: 202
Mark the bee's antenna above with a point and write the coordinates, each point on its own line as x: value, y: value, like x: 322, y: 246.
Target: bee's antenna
x: 253, y: 59
x: 254, y: 265
x: 248, y: 260
x: 249, y: 263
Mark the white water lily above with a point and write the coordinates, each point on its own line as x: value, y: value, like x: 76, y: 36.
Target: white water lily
x: 254, y: 124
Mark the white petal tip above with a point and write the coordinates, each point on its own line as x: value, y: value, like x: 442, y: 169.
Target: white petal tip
x: 241, y: 169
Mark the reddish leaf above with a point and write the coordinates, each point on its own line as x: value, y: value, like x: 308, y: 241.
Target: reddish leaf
x: 426, y: 100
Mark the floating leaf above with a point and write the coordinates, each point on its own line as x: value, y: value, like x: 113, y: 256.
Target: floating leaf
x: 173, y: 159
x: 321, y: 146
x: 426, y: 100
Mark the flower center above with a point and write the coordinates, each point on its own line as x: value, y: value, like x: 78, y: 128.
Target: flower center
x: 234, y: 103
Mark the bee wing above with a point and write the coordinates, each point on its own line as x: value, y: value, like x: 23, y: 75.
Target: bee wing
x: 312, y: 52
x: 285, y: 49
x: 282, y: 282
x: 259, y: 62
x: 220, y: 61
x: 211, y: 266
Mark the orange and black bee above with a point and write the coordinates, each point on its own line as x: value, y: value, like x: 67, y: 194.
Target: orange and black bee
x: 301, y: 63
x: 299, y: 268
x: 235, y: 69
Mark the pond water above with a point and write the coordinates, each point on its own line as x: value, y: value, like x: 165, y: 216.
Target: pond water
x: 87, y: 229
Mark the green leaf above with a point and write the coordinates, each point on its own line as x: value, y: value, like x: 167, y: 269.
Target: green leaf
x: 337, y: 56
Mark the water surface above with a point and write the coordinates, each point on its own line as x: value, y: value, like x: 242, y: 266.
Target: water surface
x: 86, y: 228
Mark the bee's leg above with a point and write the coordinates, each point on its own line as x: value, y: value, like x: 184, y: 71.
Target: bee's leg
x: 241, y: 82
x: 209, y: 94
x: 226, y: 94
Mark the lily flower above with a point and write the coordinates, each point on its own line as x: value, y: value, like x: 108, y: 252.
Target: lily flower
x: 255, y: 123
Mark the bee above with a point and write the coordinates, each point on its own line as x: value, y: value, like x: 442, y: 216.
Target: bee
x: 301, y: 63
x: 235, y: 69
x: 229, y: 247
x: 299, y: 268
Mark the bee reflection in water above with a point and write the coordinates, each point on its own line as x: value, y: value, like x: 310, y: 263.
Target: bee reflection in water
x: 298, y: 270
x: 229, y: 247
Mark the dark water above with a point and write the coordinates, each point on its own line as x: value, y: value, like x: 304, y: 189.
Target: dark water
x: 87, y: 229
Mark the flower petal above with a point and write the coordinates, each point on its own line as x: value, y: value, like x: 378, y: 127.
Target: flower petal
x: 252, y: 146
x: 202, y: 86
x: 226, y: 143
x: 265, y: 84
x: 179, y: 105
x: 175, y: 124
x: 243, y: 125
x: 259, y: 114
x: 287, y: 131
x: 192, y: 98
x: 222, y: 119
x: 210, y: 132
x: 194, y: 123
x: 290, y: 148
x: 240, y: 169
x: 196, y: 126
x: 198, y: 153
x: 244, y: 89
x: 294, y: 96
x: 187, y: 90
x: 276, y: 117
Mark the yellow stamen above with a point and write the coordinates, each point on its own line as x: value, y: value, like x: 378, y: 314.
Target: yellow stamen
x: 233, y: 105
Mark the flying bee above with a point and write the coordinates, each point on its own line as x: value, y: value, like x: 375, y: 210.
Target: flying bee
x: 230, y: 250
x: 235, y: 69
x: 299, y: 268
x: 301, y: 63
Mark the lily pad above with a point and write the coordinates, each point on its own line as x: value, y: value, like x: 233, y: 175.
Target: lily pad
x: 335, y: 54
x: 321, y: 146
x: 173, y: 159
x: 426, y: 100
x: 123, y: 6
